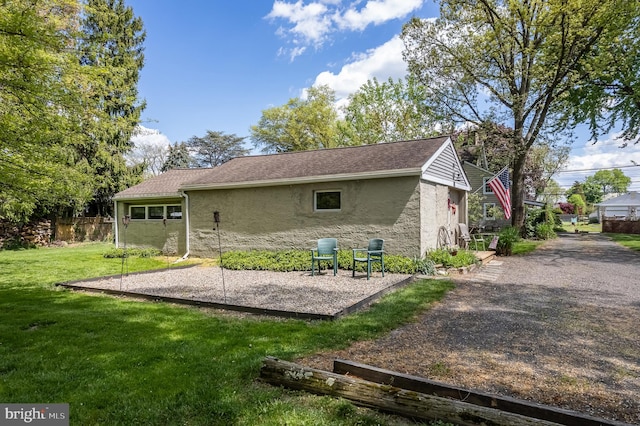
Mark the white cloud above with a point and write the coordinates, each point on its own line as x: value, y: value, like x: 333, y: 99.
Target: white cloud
x: 382, y: 62
x: 376, y: 12
x: 602, y: 155
x: 312, y: 23
x: 147, y: 136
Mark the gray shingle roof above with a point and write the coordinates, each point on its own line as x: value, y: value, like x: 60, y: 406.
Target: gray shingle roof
x: 366, y: 160
x: 167, y: 184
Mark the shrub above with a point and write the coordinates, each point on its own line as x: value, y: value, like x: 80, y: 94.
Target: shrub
x: 300, y: 260
x: 544, y: 231
x: 508, y: 236
x: 118, y: 253
x: 448, y: 260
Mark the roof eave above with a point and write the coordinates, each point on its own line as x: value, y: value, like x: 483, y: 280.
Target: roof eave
x: 304, y: 180
x: 147, y: 196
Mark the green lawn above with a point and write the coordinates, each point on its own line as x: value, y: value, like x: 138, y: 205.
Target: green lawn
x: 121, y: 362
x: 628, y: 240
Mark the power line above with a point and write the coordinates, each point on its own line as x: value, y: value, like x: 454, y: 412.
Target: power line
x: 597, y: 168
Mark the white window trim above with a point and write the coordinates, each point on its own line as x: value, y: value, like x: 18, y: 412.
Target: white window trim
x: 485, y: 208
x: 486, y: 190
x: 315, y: 200
x: 146, y: 211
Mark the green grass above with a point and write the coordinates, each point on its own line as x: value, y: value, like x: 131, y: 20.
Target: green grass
x: 582, y: 227
x: 628, y: 240
x: 525, y: 246
x: 120, y: 362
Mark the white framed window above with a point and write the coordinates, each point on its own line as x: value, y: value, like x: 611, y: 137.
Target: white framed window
x: 156, y: 212
x: 486, y: 189
x: 327, y: 201
x: 488, y: 210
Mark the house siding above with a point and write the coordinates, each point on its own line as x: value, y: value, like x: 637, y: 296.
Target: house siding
x: 444, y: 165
x: 283, y: 217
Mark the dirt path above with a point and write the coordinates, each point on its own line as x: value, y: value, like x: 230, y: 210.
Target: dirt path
x: 560, y: 326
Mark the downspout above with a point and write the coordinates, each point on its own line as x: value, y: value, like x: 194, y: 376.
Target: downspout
x: 187, y: 225
x: 115, y: 213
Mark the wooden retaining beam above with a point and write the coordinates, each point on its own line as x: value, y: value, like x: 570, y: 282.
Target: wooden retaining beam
x: 388, y: 398
x: 504, y: 403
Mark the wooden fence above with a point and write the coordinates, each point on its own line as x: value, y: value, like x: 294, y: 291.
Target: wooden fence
x: 79, y: 229
x: 620, y: 226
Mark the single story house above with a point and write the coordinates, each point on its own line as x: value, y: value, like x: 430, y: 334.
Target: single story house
x: 625, y: 206
x: 403, y: 192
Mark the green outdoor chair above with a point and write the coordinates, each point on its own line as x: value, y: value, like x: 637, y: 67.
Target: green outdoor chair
x: 373, y: 253
x: 327, y: 250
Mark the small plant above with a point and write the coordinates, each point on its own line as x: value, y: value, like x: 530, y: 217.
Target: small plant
x: 507, y: 238
x: 448, y: 260
x: 424, y: 266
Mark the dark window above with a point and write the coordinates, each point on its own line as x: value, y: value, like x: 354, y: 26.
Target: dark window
x: 156, y: 212
x: 138, y: 212
x: 174, y: 212
x: 328, y: 200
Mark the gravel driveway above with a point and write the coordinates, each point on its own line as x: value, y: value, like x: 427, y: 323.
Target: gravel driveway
x: 559, y: 326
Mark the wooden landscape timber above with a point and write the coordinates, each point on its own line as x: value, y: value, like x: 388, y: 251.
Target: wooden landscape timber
x: 504, y: 403
x: 394, y: 398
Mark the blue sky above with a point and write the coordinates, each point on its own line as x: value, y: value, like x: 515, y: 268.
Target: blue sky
x: 216, y: 65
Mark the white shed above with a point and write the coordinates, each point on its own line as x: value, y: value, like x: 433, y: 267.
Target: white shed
x: 625, y: 206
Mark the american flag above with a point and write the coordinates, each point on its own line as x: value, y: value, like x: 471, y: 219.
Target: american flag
x: 499, y: 184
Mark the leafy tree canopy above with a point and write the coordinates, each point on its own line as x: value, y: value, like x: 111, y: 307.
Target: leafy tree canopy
x: 68, y: 71
x: 216, y: 148
x: 390, y: 111
x: 300, y: 124
x: 513, y: 63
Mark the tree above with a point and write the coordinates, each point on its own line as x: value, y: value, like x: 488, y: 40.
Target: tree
x: 112, y: 47
x: 216, y: 148
x: 521, y: 58
x: 608, y: 182
x: 300, y: 124
x: 610, y: 96
x: 387, y: 112
x: 42, y: 90
x: 177, y: 158
x: 578, y: 203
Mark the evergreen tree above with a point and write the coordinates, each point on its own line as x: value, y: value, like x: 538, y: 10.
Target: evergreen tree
x: 112, y: 47
x: 178, y: 158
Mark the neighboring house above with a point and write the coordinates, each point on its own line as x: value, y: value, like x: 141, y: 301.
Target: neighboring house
x: 626, y: 206
x: 478, y: 178
x: 401, y: 191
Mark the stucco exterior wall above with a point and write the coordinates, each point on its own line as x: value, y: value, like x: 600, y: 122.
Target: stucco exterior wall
x: 169, y: 237
x: 435, y: 213
x: 283, y: 217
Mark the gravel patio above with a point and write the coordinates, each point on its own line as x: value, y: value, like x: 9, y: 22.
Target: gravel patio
x: 288, y: 294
